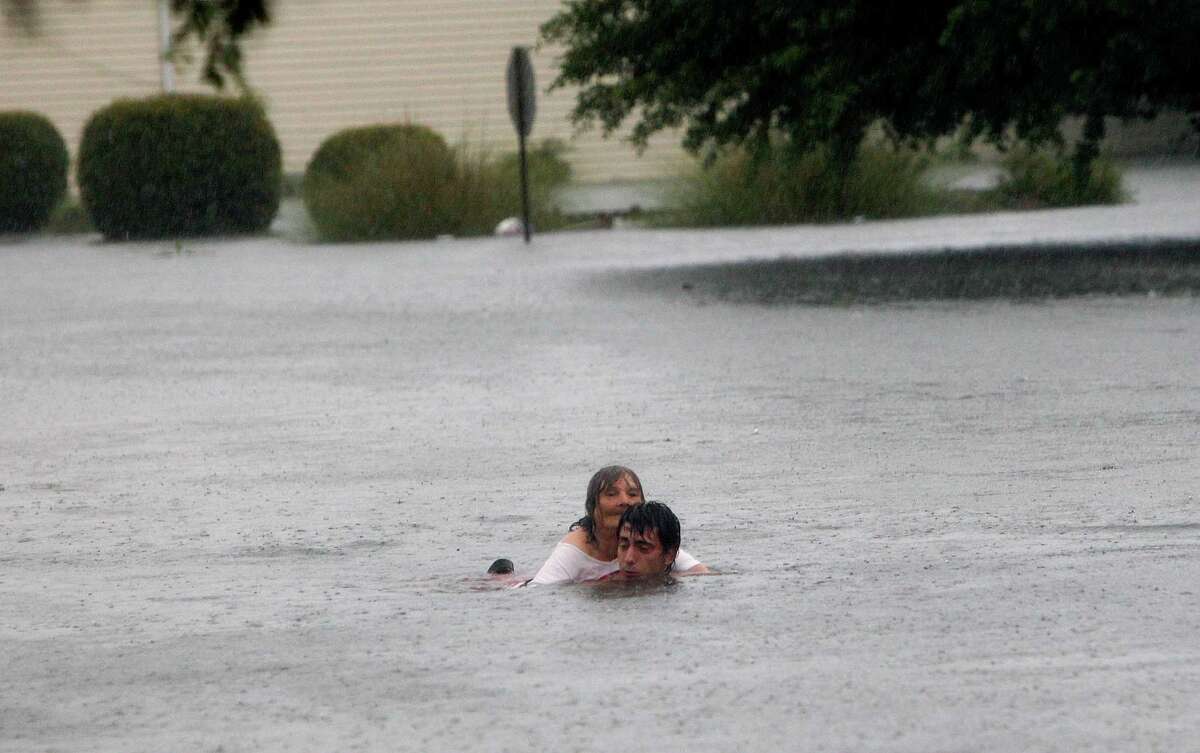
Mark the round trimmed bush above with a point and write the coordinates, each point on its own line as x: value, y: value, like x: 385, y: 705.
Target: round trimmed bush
x: 180, y: 165
x: 33, y: 171
x: 382, y: 182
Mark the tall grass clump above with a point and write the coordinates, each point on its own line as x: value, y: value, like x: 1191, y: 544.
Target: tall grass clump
x: 180, y: 165
x: 403, y: 182
x: 33, y: 171
x: 780, y: 184
x: 1041, y: 178
x: 489, y: 187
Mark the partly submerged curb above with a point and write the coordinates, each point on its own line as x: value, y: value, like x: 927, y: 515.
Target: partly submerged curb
x: 1151, y: 266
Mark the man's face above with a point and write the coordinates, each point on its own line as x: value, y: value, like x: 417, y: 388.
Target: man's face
x: 641, y: 554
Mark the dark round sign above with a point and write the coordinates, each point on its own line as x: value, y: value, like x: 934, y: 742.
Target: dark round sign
x: 522, y: 99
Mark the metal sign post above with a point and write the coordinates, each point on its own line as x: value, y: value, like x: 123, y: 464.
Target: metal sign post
x: 522, y: 105
x: 164, y: 46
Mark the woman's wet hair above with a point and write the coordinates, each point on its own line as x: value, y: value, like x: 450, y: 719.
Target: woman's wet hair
x: 653, y: 516
x: 601, y: 480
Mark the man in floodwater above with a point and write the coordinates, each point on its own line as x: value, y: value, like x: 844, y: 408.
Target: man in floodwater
x: 647, y: 542
x: 648, y: 536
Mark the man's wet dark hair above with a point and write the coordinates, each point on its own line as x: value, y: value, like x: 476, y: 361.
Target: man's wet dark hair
x: 653, y: 516
x: 601, y: 480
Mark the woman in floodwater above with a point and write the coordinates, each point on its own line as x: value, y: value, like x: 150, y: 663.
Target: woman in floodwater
x: 589, y: 550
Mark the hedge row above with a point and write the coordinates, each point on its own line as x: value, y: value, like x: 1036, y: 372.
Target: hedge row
x: 167, y: 166
x: 402, y: 181
x: 191, y: 165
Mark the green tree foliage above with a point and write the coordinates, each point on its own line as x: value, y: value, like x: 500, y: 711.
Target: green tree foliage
x: 1026, y: 64
x: 33, y: 171
x: 218, y: 26
x: 822, y: 71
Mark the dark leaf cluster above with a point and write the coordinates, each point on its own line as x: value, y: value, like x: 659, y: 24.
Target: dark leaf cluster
x: 823, y: 71
x: 218, y: 26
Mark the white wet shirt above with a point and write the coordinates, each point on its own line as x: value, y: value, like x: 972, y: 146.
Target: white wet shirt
x: 569, y: 564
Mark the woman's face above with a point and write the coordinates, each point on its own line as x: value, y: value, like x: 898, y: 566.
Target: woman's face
x: 614, y: 499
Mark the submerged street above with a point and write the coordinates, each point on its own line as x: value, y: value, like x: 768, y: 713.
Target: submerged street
x: 249, y: 489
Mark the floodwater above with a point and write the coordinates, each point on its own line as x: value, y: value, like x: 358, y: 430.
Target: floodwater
x: 250, y: 489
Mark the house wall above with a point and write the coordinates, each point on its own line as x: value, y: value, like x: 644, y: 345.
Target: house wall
x: 324, y: 65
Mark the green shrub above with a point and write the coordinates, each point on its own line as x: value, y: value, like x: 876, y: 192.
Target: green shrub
x: 33, y: 171
x: 489, y: 190
x: 784, y: 185
x: 381, y: 182
x: 69, y: 218
x: 180, y: 165
x: 1041, y: 178
x: 398, y: 182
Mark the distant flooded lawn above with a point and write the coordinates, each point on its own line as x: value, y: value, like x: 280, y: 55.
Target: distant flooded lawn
x: 1018, y: 273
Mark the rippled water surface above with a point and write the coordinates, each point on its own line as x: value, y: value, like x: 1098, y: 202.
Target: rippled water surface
x: 250, y: 490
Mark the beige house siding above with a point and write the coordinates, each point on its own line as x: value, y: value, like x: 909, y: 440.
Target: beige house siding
x: 324, y: 65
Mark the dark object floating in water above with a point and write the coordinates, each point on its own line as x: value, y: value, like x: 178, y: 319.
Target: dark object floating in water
x: 501, y: 567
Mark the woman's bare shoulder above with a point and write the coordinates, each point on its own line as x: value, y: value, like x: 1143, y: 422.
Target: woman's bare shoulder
x: 576, y: 537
